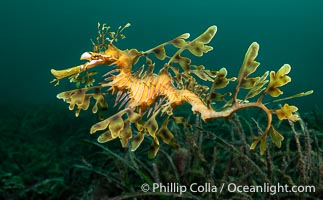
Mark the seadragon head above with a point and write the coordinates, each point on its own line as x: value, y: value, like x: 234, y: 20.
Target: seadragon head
x: 104, y: 53
x: 111, y: 56
x: 94, y: 59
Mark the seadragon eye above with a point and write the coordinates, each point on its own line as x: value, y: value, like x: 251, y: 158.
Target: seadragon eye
x: 86, y: 56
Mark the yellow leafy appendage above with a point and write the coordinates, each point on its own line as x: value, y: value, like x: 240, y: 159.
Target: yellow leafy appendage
x: 143, y: 95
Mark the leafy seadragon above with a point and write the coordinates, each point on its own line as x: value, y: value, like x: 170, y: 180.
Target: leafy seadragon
x: 143, y: 95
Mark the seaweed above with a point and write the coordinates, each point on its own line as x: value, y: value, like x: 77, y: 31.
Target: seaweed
x: 46, y: 156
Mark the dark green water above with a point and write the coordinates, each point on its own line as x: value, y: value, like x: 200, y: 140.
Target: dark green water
x: 39, y: 35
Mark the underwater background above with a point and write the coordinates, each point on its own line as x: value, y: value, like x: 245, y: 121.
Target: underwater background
x: 47, y: 153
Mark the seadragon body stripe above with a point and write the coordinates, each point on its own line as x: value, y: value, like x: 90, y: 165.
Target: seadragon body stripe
x: 145, y: 91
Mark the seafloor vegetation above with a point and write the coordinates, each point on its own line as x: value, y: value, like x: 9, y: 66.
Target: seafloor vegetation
x: 47, y: 156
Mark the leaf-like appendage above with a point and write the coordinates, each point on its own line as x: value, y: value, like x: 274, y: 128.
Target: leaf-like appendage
x: 276, y: 137
x: 75, y: 97
x: 106, y: 137
x: 249, y: 83
x: 95, y: 108
x: 60, y: 74
x: 154, y: 147
x: 220, y: 81
x: 278, y: 79
x: 258, y: 86
x: 184, y: 62
x: 215, y: 96
x: 100, y: 126
x: 116, y: 118
x: 207, y: 36
x: 79, y: 98
x: 197, y: 47
x: 125, y: 134
x: 201, y: 73
x: 160, y: 52
x: 249, y: 66
x: 100, y: 101
x: 181, y: 120
x: 133, y: 117
x: 116, y: 125
x: 302, y: 94
x: 84, y: 106
x: 167, y: 136
x: 151, y: 125
x: 180, y: 42
x: 137, y: 141
x: 104, y: 31
x: 139, y: 126
x: 286, y: 112
x: 211, y: 73
x: 263, y: 145
x: 254, y: 144
x: 86, y: 102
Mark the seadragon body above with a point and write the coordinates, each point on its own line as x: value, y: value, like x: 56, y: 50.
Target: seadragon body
x: 143, y: 95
